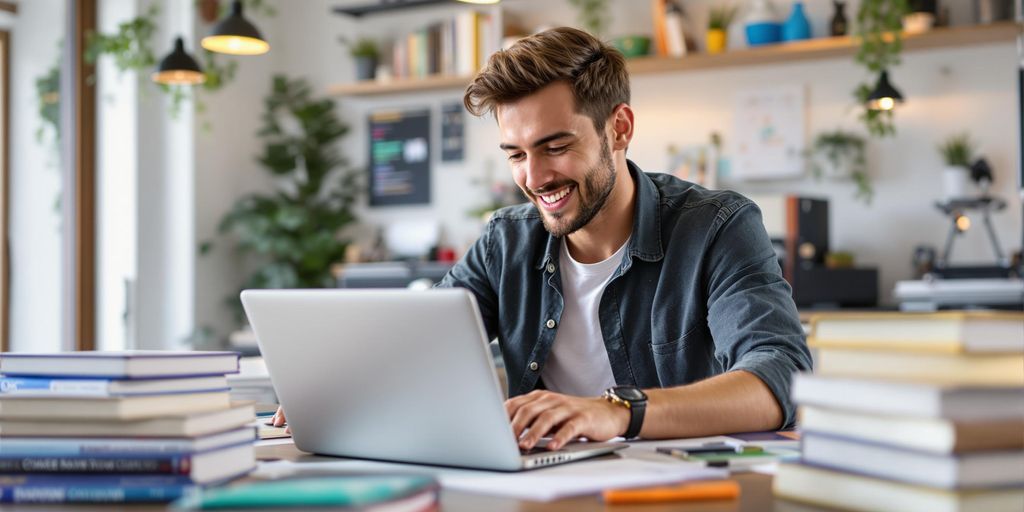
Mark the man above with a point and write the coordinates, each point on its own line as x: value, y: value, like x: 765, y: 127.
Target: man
x: 625, y: 304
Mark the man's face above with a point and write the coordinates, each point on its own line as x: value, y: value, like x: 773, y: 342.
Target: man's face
x: 562, y: 164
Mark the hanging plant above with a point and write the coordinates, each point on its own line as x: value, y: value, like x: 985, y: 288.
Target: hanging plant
x: 592, y: 15
x: 131, y: 48
x: 841, y: 154
x: 879, y: 25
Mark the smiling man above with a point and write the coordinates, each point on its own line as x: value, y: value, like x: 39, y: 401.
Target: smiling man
x: 624, y: 303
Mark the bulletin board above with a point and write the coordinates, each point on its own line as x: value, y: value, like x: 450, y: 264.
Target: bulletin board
x: 770, y: 133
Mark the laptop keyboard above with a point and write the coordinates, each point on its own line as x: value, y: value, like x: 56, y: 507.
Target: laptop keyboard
x: 534, y: 450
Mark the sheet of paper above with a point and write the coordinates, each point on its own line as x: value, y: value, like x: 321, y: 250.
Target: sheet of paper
x: 580, y: 478
x: 574, y: 479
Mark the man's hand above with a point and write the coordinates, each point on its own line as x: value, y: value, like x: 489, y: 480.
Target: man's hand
x: 564, y: 418
x: 278, y: 420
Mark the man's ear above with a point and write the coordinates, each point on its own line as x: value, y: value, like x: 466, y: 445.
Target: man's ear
x: 620, y: 125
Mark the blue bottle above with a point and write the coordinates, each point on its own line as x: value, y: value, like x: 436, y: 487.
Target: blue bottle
x: 796, y: 27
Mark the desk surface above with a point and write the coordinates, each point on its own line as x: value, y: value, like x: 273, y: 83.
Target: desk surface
x: 756, y: 495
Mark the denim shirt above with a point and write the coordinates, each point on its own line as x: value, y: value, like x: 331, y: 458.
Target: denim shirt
x: 699, y: 292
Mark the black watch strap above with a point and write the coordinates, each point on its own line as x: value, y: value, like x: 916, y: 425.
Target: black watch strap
x: 636, y: 418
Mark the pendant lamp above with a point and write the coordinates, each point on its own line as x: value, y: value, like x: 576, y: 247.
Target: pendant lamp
x: 235, y: 35
x: 179, y: 68
x: 885, y: 96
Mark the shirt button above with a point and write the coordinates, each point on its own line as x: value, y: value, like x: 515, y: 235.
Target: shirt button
x: 550, y: 323
x: 534, y: 366
x: 551, y: 268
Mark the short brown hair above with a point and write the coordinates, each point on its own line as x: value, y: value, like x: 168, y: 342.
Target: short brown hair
x: 595, y: 71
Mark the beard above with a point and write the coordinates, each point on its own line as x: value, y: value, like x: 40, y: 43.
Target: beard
x: 598, y: 183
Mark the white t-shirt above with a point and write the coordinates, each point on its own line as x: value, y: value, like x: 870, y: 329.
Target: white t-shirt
x: 578, y: 363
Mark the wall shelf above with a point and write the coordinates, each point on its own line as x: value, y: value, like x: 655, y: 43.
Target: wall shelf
x: 821, y: 48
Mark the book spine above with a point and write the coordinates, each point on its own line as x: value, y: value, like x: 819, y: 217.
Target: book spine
x: 78, y: 493
x: 40, y: 386
x: 168, y: 465
x: 108, y: 448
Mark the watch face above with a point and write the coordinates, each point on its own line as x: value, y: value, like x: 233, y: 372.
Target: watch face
x: 629, y: 393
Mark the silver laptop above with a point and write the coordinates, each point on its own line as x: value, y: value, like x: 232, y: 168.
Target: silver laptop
x: 395, y: 375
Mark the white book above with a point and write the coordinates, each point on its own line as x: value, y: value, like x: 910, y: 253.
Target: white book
x: 934, y: 435
x: 121, y: 446
x: 72, y: 387
x: 119, y: 364
x: 124, y: 408
x: 909, y: 398
x: 829, y: 488
x: 178, y: 425
x: 965, y: 471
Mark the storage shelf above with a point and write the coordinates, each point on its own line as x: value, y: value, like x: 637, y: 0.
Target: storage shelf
x: 813, y: 49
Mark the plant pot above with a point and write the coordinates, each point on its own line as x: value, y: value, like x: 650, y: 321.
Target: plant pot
x: 632, y: 46
x: 761, y: 25
x: 366, y: 68
x: 918, y: 22
x: 955, y: 181
x: 716, y: 39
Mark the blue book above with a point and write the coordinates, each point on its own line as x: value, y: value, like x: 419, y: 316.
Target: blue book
x: 11, y: 447
x: 103, y: 387
x: 199, y: 467
x: 359, y: 492
x: 94, y: 489
x: 127, y: 364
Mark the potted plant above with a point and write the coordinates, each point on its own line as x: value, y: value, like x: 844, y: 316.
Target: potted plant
x: 957, y: 151
x: 366, y: 54
x: 840, y: 154
x: 719, y: 19
x: 293, y: 234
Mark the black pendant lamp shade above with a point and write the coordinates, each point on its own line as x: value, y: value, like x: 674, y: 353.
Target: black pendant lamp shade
x: 885, y: 96
x: 235, y: 35
x: 179, y: 68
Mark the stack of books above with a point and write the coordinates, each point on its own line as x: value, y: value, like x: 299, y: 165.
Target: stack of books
x: 108, y: 427
x: 912, y: 411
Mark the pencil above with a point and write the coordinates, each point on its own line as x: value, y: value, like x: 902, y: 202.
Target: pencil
x: 690, y: 491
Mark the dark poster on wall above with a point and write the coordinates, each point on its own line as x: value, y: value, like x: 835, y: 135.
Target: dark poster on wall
x: 453, y: 139
x: 399, y: 157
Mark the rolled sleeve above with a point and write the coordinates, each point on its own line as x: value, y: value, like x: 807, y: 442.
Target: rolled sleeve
x: 751, y: 314
x: 471, y: 273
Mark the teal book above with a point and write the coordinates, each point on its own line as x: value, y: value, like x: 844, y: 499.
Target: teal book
x: 363, y: 492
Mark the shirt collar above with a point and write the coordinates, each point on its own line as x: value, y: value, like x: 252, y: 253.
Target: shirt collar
x: 645, y: 242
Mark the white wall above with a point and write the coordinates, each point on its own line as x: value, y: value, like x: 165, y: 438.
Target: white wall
x: 948, y: 91
x: 35, y: 234
x: 226, y: 168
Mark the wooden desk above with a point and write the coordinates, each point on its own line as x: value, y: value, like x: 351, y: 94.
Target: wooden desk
x: 756, y: 495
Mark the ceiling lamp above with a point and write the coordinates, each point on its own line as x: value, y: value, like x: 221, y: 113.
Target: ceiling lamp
x: 235, y: 35
x: 885, y: 96
x: 179, y: 68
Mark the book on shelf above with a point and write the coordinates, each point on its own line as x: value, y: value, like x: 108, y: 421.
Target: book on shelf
x: 974, y: 332
x: 933, y: 435
x: 102, y: 387
x: 121, y: 408
x: 201, y: 467
x: 94, y: 488
x: 829, y: 488
x: 405, y: 493
x: 962, y: 471
x: 122, y: 446
x: 936, y: 367
x: 187, y: 424
x: 119, y: 365
x: 918, y: 399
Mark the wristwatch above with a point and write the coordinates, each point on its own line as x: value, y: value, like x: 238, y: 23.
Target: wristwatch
x: 633, y: 399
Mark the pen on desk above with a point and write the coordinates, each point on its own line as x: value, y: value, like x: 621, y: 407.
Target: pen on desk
x: 691, y: 491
